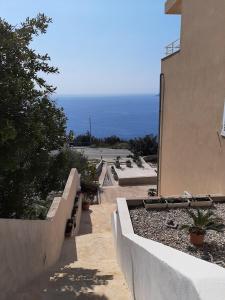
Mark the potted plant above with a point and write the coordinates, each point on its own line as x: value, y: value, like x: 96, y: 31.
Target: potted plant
x: 69, y: 227
x: 152, y: 192
x: 117, y: 163
x: 128, y: 163
x: 112, y: 169
x: 139, y: 163
x: 201, y: 223
x: 170, y: 223
x: 74, y: 210
x: 86, y: 204
x: 201, y: 201
x: 177, y: 202
x: 89, y: 189
x: 155, y: 203
x: 135, y: 157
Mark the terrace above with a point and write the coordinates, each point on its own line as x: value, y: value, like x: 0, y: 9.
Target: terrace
x: 130, y: 172
x: 155, y: 258
x: 172, y: 48
x: 173, y: 7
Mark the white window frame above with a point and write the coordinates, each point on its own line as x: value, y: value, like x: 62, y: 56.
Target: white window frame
x: 223, y: 124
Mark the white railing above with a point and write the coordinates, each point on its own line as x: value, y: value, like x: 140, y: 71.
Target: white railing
x: 173, y: 47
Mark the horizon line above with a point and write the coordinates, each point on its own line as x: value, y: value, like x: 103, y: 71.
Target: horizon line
x: 105, y: 95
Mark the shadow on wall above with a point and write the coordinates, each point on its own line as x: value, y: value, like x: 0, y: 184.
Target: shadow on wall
x: 75, y: 283
x: 68, y: 253
x: 85, y: 223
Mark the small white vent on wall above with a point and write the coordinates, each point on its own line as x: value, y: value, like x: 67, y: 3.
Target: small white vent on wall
x: 223, y: 125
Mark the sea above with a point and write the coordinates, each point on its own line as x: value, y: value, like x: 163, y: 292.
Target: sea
x: 127, y: 116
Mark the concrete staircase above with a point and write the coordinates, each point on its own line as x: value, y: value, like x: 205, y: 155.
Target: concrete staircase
x: 88, y: 268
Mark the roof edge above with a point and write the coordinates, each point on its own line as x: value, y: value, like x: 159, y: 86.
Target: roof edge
x: 173, y: 7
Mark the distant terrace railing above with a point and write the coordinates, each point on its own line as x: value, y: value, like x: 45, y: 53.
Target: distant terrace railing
x: 173, y: 47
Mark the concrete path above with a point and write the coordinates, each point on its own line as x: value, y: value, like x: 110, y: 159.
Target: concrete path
x: 87, y: 269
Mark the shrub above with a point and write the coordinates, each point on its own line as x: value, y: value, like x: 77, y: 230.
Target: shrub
x: 204, y: 221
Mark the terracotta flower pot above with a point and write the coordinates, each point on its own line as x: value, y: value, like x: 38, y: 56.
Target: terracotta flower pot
x: 85, y: 206
x: 69, y: 227
x: 197, y: 239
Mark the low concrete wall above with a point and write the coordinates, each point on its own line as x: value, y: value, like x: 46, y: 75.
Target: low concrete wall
x: 29, y: 247
x: 99, y: 167
x: 103, y: 174
x: 137, y: 176
x: 138, y: 181
x: 155, y: 271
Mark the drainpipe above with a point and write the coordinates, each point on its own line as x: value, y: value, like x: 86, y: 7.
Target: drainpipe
x: 160, y: 132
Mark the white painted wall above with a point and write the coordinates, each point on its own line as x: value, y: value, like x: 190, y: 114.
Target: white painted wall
x: 156, y: 272
x: 29, y: 247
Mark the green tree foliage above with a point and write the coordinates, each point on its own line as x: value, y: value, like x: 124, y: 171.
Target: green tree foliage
x: 139, y: 146
x: 85, y: 140
x: 30, y: 123
x: 147, y: 145
x: 59, y: 166
x: 71, y: 137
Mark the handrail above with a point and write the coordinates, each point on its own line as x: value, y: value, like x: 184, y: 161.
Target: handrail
x: 173, y: 47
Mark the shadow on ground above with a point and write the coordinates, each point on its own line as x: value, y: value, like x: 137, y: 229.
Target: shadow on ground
x: 85, y: 224
x: 75, y: 283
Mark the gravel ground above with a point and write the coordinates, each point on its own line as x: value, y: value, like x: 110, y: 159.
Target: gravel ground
x: 151, y: 224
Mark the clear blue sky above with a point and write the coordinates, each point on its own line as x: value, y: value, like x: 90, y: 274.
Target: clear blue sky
x: 101, y: 46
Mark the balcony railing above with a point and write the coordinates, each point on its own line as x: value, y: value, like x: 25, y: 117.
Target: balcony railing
x: 173, y: 47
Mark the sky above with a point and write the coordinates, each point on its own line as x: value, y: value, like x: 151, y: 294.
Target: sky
x: 101, y: 47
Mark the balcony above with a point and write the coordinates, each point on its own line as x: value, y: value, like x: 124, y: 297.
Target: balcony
x: 172, y: 48
x: 173, y: 7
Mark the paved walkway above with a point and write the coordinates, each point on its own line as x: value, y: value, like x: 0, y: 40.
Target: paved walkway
x: 87, y: 269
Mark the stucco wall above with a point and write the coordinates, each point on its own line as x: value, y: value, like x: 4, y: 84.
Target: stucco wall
x: 29, y: 247
x: 155, y: 271
x: 193, y: 151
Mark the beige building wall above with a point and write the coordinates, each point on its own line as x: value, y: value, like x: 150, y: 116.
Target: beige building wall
x: 192, y: 153
x: 29, y: 247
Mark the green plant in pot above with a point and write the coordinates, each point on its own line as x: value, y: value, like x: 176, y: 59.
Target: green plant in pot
x: 117, y: 163
x: 69, y: 227
x: 89, y: 190
x: 152, y: 192
x: 139, y: 163
x: 86, y: 203
x: 202, y: 221
x: 128, y: 164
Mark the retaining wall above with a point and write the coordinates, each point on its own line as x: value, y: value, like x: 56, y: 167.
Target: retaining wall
x: 99, y: 168
x: 29, y: 247
x: 155, y: 271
